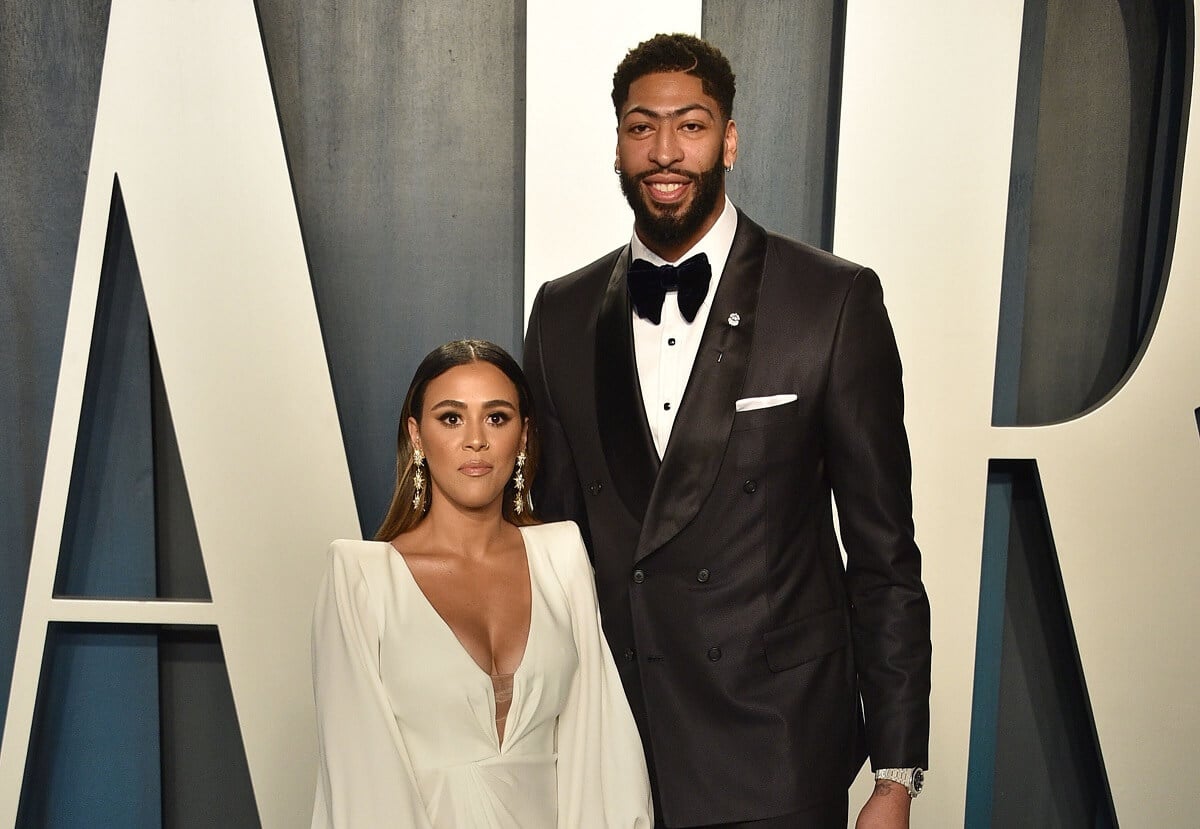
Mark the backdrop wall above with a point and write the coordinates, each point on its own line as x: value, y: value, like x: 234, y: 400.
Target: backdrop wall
x: 1016, y: 172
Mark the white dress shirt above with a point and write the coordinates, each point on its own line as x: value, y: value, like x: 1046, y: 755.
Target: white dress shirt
x: 665, y: 352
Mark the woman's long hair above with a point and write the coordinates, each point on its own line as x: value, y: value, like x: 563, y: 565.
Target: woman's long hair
x: 402, y: 515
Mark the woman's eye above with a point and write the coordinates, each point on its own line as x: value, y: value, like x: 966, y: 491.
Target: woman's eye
x: 497, y: 418
x: 451, y: 419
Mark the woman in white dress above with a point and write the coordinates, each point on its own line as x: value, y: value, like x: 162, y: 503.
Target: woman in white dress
x: 461, y: 676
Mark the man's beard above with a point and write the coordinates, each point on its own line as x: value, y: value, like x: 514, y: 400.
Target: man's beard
x: 668, y: 225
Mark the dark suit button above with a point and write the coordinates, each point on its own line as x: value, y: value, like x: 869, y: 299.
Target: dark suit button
x: 714, y: 654
x: 749, y: 487
x: 639, y: 576
x: 629, y: 654
x: 594, y: 487
x: 703, y: 575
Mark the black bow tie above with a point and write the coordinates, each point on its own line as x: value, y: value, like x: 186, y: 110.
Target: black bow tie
x: 648, y: 286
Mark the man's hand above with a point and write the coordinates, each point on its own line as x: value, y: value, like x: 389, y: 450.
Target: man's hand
x: 887, y: 808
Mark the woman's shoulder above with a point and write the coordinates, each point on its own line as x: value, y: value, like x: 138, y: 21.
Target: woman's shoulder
x: 553, y: 535
x: 356, y: 556
x: 561, y: 546
x: 357, y: 548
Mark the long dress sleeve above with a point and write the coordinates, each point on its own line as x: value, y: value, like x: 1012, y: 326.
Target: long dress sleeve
x: 365, y: 778
x: 602, y: 779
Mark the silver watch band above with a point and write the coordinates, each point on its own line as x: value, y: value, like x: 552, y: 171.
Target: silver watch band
x: 911, y: 779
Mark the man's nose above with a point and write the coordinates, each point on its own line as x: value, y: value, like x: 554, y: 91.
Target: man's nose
x: 666, y: 149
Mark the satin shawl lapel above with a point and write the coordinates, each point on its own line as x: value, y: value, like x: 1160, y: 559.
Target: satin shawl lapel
x: 624, y: 431
x: 701, y: 431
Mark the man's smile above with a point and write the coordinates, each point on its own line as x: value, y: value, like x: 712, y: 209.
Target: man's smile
x: 666, y: 189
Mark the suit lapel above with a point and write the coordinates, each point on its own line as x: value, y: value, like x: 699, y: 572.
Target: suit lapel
x: 701, y: 431
x: 624, y: 431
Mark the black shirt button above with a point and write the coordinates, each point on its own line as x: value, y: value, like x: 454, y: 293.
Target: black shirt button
x: 749, y: 487
x: 703, y: 575
x: 638, y: 576
x: 714, y: 654
x: 670, y: 341
x: 629, y: 654
x: 666, y: 407
x: 594, y: 487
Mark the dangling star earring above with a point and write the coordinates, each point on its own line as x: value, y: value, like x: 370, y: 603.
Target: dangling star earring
x: 519, y: 484
x: 418, y: 478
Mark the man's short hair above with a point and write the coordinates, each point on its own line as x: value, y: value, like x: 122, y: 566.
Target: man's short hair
x: 677, y: 53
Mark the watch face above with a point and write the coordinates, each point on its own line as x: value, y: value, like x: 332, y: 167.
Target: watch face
x: 918, y: 780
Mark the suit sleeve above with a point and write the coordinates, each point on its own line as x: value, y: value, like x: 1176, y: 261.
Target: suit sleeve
x: 871, y: 473
x: 556, y: 493
x: 602, y: 778
x: 365, y: 777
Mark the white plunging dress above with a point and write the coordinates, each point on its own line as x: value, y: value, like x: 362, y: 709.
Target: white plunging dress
x: 407, y: 719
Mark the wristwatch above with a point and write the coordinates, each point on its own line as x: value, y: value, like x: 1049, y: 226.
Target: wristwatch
x: 911, y: 779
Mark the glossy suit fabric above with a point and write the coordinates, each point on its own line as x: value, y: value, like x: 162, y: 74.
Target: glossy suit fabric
x: 742, y: 641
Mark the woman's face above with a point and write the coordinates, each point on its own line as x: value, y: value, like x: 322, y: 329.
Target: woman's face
x: 470, y: 431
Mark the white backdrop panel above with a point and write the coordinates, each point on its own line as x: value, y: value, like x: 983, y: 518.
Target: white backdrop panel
x: 574, y: 210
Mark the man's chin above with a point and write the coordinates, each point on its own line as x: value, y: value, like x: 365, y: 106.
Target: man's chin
x: 661, y: 224
x: 663, y: 234
x: 663, y: 212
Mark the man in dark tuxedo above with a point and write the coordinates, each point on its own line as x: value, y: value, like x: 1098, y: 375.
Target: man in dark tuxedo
x: 701, y: 392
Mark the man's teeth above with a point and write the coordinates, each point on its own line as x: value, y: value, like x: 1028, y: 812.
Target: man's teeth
x: 666, y: 188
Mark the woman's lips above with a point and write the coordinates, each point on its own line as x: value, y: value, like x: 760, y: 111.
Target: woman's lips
x: 475, y: 468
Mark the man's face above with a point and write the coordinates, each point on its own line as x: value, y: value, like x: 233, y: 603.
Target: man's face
x: 673, y: 144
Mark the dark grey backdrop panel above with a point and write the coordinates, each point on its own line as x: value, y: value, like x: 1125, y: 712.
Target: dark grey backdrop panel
x: 1048, y: 759
x: 50, y: 55
x: 1095, y: 160
x: 788, y: 60
x: 179, y: 559
x: 205, y: 777
x: 107, y: 547
x: 403, y: 124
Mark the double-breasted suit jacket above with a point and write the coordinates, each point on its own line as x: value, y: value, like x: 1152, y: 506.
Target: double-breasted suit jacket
x: 744, y: 642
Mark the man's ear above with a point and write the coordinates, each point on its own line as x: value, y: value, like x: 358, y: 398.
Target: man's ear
x: 731, y: 143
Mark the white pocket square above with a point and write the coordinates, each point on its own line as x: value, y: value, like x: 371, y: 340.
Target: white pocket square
x: 749, y: 404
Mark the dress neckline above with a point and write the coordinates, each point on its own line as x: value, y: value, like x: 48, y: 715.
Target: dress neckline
x: 454, y: 635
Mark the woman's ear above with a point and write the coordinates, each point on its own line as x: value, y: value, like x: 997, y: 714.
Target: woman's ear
x: 414, y: 432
